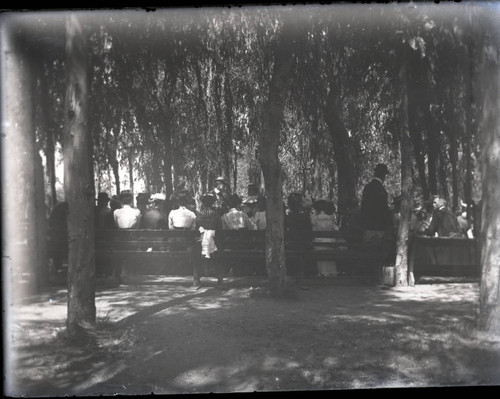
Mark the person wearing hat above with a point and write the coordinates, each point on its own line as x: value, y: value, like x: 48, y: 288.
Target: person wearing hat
x: 127, y: 217
x: 103, y: 213
x: 375, y: 213
x: 221, y: 193
x: 249, y: 207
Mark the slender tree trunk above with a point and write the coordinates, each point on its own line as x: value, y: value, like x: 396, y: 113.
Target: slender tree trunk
x: 432, y: 158
x: 116, y: 173
x: 418, y: 103
x: 78, y: 183
x: 50, y: 144
x: 443, y: 184
x: 489, y: 126
x: 168, y: 157
x: 453, y: 153
x: 271, y: 167
x: 401, y: 264
x: 316, y: 188
x: 131, y: 170
x: 469, y: 135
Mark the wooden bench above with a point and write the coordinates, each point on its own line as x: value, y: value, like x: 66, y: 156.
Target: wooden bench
x: 140, y: 251
x: 302, y: 250
x: 174, y: 252
x: 440, y: 256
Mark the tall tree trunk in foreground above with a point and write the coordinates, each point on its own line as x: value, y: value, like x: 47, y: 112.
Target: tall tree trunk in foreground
x: 271, y: 167
x: 401, y: 264
x: 78, y: 184
x: 489, y: 125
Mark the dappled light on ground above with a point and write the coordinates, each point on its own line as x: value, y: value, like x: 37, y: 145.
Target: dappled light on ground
x: 160, y: 335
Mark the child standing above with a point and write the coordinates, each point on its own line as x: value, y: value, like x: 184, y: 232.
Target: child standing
x: 208, y: 220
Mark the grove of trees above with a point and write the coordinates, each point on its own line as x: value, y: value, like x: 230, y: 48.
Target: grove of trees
x: 291, y: 98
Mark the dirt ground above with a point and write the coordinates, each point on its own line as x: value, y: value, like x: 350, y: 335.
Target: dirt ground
x: 158, y: 335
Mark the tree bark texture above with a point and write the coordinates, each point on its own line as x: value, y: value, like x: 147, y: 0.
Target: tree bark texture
x: 401, y: 264
x: 19, y: 274
x: 271, y: 167
x: 78, y: 183
x: 489, y: 127
x: 19, y: 205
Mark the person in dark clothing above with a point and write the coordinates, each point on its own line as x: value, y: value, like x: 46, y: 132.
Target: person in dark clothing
x: 103, y: 213
x: 115, y: 203
x: 155, y: 217
x: 444, y: 222
x: 375, y: 212
x: 222, y: 193
x: 58, y: 234
x: 376, y: 217
x: 142, y: 201
x: 297, y: 218
x: 298, y: 222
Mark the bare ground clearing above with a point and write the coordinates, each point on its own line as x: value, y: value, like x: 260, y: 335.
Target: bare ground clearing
x: 156, y: 334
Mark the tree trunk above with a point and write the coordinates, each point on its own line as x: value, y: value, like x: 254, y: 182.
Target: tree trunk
x: 489, y: 126
x: 19, y: 276
x: 442, y: 162
x: 78, y: 184
x: 116, y: 173
x: 469, y: 135
x: 417, y: 103
x: 432, y: 158
x: 453, y: 151
x: 271, y: 167
x: 401, y: 264
x: 344, y: 154
x: 167, y: 158
x: 50, y: 142
x: 131, y: 170
x: 40, y: 225
x: 316, y: 189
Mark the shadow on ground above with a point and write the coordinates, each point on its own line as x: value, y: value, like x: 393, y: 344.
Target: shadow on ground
x: 156, y: 334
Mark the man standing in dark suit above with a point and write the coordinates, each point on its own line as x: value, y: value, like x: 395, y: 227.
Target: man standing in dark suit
x: 375, y: 213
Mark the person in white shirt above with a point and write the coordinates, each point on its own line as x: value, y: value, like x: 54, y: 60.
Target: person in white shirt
x: 182, y: 218
x: 235, y: 219
x: 127, y: 217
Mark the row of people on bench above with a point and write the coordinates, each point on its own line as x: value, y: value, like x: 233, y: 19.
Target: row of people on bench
x: 433, y: 220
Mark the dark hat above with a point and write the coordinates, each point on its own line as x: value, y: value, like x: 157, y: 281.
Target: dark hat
x: 381, y: 168
x: 324, y: 205
x: 234, y: 201
x: 208, y: 199
x: 221, y: 179
x: 103, y: 197
x: 126, y: 194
